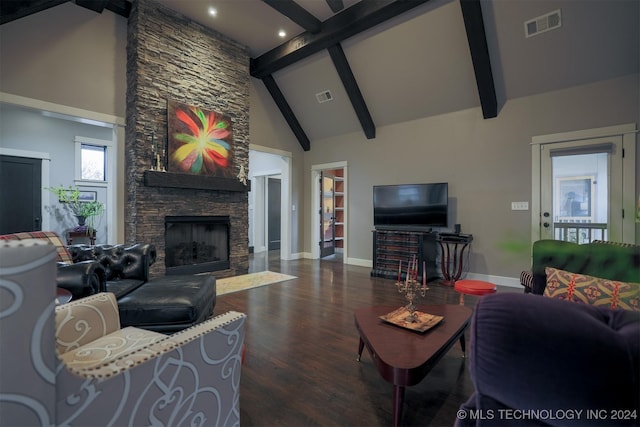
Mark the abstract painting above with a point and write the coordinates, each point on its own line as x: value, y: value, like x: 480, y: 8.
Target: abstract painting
x: 200, y: 141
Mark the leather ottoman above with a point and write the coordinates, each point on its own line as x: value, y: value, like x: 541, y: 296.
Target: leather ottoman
x: 169, y: 304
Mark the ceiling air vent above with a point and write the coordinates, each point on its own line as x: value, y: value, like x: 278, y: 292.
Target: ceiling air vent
x: 324, y: 96
x: 542, y: 24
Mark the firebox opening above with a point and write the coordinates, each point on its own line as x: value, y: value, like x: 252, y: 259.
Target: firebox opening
x: 196, y: 244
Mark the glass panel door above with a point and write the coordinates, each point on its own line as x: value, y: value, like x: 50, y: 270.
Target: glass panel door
x: 581, y: 187
x: 327, y: 216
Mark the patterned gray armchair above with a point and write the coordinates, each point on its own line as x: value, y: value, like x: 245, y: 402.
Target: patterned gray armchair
x: 72, y: 364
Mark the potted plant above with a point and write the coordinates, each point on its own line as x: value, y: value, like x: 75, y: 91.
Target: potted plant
x: 85, y: 211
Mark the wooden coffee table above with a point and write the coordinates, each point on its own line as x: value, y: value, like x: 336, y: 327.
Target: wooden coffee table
x: 404, y: 357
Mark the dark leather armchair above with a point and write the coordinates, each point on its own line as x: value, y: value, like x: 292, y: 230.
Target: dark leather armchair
x: 119, y: 261
x: 105, y: 268
x: 81, y: 279
x: 85, y: 270
x: 125, y: 267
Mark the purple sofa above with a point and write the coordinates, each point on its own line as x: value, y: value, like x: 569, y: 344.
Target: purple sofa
x: 538, y: 361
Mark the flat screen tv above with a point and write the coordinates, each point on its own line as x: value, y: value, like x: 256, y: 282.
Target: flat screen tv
x: 417, y: 206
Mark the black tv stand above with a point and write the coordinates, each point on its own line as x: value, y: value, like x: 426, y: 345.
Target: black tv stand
x: 390, y: 246
x: 405, y: 228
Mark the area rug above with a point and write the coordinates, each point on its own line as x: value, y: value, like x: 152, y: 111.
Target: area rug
x: 248, y: 281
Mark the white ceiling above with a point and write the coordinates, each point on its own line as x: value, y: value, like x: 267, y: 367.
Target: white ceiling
x: 419, y: 65
x: 250, y: 22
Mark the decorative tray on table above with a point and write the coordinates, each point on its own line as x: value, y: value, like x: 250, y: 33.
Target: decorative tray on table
x: 425, y: 321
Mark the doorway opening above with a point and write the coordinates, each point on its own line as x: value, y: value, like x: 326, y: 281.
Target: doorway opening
x: 270, y: 225
x: 583, y: 183
x: 329, y: 214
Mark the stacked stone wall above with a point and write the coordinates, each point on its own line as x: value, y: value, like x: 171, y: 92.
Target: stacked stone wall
x: 170, y: 57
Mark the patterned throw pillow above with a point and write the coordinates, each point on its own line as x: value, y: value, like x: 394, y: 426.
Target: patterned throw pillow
x: 592, y: 290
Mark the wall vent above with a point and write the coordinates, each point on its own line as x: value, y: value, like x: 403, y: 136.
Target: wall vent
x: 324, y: 96
x: 542, y: 24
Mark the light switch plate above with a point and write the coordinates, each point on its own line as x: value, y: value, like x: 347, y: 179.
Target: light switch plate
x: 519, y: 206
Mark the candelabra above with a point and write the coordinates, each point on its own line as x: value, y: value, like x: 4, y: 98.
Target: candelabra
x: 158, y: 163
x: 412, y: 288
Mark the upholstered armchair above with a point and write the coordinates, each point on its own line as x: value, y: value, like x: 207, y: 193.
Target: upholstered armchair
x: 72, y: 364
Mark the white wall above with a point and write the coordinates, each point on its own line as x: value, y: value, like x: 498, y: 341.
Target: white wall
x: 487, y: 164
x: 67, y: 55
x: 28, y: 130
x: 269, y: 129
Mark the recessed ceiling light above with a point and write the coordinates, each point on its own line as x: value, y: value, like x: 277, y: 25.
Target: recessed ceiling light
x: 213, y: 11
x: 281, y: 33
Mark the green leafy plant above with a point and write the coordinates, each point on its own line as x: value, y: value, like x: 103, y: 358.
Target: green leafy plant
x: 70, y: 198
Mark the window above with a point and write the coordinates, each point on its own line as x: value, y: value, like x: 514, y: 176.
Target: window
x: 93, y: 161
x: 95, y: 176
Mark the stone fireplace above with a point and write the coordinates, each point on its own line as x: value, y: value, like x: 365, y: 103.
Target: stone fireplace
x: 170, y: 57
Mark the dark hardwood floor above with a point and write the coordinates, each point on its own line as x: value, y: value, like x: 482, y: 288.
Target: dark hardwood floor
x: 300, y: 367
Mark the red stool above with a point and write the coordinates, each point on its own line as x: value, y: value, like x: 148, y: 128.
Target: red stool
x: 473, y: 287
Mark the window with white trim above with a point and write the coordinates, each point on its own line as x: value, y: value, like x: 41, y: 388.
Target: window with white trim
x: 92, y: 157
x: 93, y: 162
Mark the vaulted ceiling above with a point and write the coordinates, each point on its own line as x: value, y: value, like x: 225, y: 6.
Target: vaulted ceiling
x: 390, y: 61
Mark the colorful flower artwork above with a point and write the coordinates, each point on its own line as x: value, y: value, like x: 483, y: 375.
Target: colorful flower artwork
x: 200, y: 141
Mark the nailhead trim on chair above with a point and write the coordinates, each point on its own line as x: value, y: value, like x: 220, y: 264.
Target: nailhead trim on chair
x: 170, y: 342
x: 622, y: 245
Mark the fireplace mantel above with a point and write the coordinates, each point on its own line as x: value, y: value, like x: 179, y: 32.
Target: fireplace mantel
x: 198, y: 182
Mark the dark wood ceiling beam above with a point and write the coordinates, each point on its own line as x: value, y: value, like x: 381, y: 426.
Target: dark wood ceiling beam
x: 335, y: 5
x: 476, y: 35
x: 296, y: 13
x: 286, y: 112
x: 353, y: 91
x: 95, y: 5
x: 119, y: 7
x: 12, y: 10
x: 351, y: 21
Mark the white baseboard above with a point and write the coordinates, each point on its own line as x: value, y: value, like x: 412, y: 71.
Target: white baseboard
x: 297, y: 255
x: 360, y: 262
x: 512, y: 282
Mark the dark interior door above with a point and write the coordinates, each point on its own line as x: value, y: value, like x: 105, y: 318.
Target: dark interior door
x: 273, y: 212
x: 20, y: 194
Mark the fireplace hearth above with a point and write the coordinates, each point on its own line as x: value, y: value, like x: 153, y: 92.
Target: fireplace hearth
x: 196, y: 244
